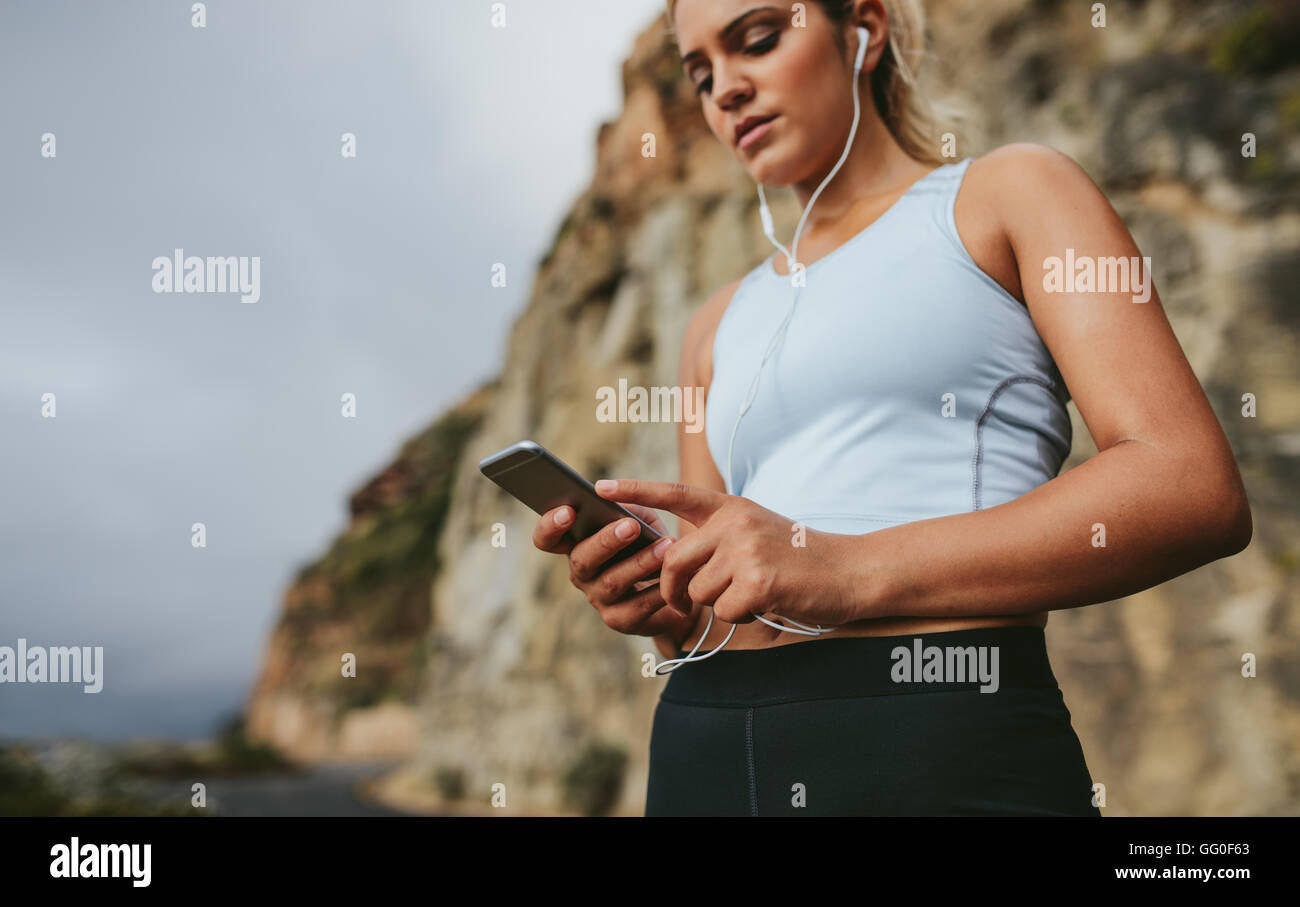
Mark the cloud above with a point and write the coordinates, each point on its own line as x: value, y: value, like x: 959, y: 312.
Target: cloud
x: 176, y: 408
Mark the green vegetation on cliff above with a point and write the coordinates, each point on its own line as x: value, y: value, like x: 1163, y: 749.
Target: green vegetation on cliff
x: 370, y: 593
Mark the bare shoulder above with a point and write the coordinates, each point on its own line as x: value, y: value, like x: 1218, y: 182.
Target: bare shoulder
x: 1024, y: 180
x: 697, y: 344
x: 1001, y: 195
x: 1017, y: 162
x: 1020, y: 202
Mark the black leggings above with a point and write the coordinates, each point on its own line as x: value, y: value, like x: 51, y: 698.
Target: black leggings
x: 844, y: 727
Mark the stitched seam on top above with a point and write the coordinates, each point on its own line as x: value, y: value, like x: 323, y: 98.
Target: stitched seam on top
x: 978, y: 456
x: 749, y: 756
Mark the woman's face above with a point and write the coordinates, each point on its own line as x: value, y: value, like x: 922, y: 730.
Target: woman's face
x: 745, y: 59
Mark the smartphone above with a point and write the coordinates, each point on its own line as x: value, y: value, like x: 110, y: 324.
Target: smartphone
x: 543, y: 481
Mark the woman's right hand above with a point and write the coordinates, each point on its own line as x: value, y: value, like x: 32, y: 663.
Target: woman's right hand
x: 624, y: 593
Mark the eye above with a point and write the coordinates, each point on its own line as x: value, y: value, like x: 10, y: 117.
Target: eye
x: 757, y: 49
x: 762, y: 46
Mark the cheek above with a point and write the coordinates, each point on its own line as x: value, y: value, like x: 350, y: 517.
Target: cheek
x: 717, y: 121
x: 804, y: 93
x: 818, y: 104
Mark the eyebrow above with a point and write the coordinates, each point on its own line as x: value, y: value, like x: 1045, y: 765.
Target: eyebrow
x: 728, y: 29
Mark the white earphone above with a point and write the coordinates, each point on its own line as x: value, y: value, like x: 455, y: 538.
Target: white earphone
x: 792, y: 263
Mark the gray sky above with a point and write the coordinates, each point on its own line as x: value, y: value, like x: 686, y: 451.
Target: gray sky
x: 472, y: 142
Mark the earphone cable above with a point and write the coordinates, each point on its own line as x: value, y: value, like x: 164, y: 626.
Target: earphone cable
x: 765, y: 216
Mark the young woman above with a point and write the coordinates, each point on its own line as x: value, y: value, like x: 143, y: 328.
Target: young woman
x: 890, y: 412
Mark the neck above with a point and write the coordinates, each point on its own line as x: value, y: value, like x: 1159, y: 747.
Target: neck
x: 875, y: 167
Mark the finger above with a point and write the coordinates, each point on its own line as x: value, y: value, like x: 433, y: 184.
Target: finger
x: 667, y: 620
x: 731, y: 607
x: 690, y: 502
x: 681, y: 560
x: 548, y: 534
x: 618, y: 579
x: 588, y: 557
x: 643, y: 614
x: 708, y: 584
x: 651, y: 516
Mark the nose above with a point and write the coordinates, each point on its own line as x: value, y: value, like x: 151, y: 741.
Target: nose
x: 730, y: 89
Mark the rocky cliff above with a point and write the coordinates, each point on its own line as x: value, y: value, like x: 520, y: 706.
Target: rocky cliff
x: 367, y: 599
x: 492, y: 669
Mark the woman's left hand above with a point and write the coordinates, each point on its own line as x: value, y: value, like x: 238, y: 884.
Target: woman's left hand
x: 744, y: 559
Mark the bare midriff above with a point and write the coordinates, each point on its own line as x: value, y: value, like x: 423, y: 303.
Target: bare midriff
x: 757, y: 635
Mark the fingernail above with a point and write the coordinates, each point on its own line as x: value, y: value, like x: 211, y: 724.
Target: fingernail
x: 562, y: 517
x: 661, y: 546
x: 607, y: 485
x: 626, y: 529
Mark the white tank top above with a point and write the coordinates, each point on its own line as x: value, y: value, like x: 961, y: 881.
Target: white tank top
x: 909, y: 383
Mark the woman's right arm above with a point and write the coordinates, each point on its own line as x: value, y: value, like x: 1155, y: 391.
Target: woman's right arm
x: 695, y: 462
x: 625, y: 593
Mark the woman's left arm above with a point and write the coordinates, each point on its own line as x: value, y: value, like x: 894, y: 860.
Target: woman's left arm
x: 1162, y: 496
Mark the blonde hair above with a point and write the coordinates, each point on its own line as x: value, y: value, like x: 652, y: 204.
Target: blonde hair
x: 906, y: 112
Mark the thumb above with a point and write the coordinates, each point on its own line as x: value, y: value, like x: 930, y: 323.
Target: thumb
x: 650, y: 515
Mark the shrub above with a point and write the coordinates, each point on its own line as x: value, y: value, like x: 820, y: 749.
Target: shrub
x: 595, y: 779
x: 450, y: 782
x: 25, y: 789
x: 239, y: 755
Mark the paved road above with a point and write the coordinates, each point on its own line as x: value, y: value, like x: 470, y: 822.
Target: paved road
x: 323, y: 791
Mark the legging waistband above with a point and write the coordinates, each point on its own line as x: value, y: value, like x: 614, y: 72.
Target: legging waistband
x: 987, y: 659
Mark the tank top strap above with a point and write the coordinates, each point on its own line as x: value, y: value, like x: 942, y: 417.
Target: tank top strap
x: 936, y: 195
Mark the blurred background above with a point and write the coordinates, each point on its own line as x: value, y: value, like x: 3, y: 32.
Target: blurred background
x: 491, y: 148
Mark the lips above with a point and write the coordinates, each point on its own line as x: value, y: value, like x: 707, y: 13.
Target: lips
x: 749, y: 123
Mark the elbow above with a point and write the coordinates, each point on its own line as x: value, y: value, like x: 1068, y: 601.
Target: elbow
x: 1234, y: 517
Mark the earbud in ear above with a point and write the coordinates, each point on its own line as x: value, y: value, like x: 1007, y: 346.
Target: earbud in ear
x: 863, y: 37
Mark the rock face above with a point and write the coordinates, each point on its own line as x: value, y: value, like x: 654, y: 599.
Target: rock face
x: 368, y: 601
x: 509, y: 677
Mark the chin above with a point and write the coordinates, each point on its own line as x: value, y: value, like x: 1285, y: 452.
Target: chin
x: 771, y: 168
